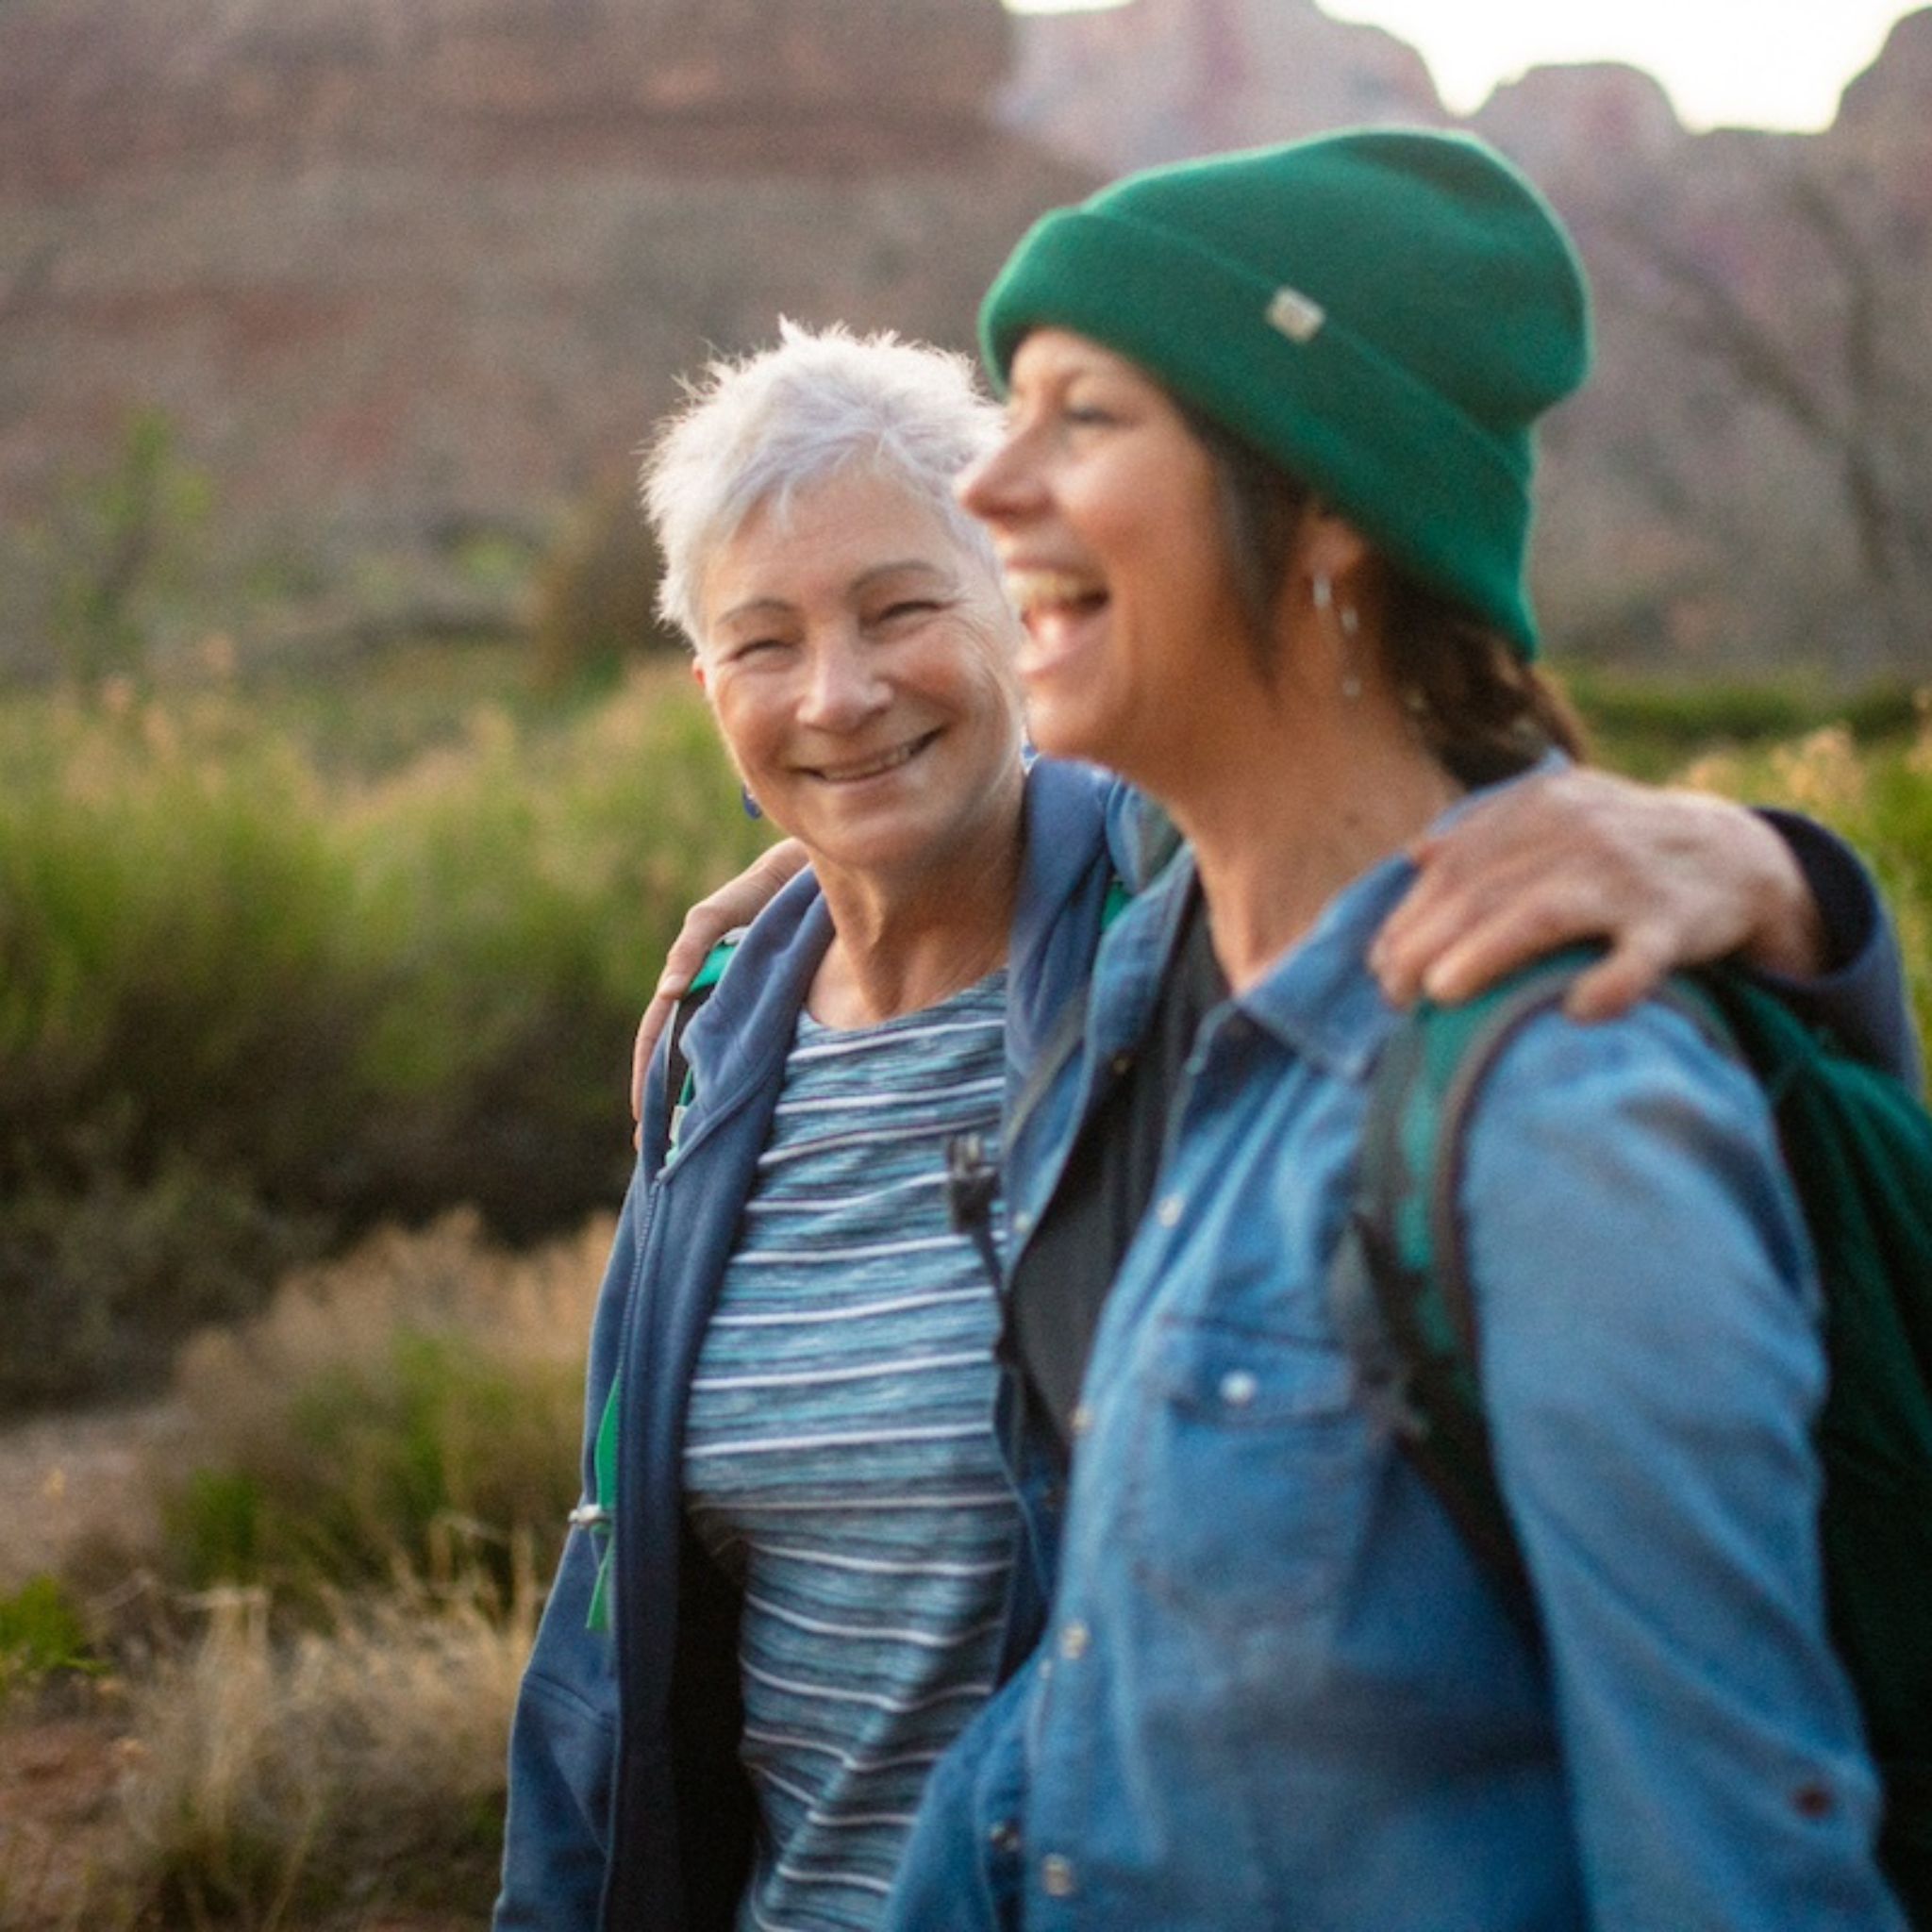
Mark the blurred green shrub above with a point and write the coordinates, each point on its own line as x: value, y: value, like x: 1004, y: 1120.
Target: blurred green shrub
x: 100, y: 1279
x: 596, y: 590
x: 122, y: 545
x: 244, y: 1014
x: 413, y: 1408
x: 41, y: 1635
x: 433, y: 1454
x: 1649, y: 724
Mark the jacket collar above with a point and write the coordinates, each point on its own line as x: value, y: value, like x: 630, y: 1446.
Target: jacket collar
x: 740, y: 1037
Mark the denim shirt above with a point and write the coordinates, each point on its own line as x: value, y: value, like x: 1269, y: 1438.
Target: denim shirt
x: 1276, y: 1690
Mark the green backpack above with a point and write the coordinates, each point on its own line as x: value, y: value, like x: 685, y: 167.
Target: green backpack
x: 1858, y: 1148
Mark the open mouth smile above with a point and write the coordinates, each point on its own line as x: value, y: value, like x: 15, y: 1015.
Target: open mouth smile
x: 1043, y: 593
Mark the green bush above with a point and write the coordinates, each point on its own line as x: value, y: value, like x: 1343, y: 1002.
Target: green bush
x: 1646, y: 725
x: 597, y: 591
x: 435, y: 1454
x: 41, y: 1634
x: 123, y: 547
x: 413, y: 1408
x: 231, y: 991
x: 99, y: 1280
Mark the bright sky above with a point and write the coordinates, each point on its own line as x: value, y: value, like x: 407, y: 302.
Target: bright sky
x: 1749, y: 63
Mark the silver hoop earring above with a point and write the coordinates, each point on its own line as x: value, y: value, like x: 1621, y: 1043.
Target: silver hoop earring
x: 1348, y: 622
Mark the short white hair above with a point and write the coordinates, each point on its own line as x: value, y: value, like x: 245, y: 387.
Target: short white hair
x: 752, y: 432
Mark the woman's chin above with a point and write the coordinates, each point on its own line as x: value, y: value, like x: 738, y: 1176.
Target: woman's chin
x: 1061, y: 728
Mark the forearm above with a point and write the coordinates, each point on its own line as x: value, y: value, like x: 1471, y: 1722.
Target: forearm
x: 1858, y: 992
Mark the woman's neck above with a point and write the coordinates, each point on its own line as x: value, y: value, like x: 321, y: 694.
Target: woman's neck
x: 1295, y: 806
x: 901, y: 944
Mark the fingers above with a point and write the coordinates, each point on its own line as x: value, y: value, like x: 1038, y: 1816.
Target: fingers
x: 1629, y: 972
x: 704, y: 924
x: 1467, y: 943
x: 1462, y: 923
x: 739, y: 901
x: 1664, y: 878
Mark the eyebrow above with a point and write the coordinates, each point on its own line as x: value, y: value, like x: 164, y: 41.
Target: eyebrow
x: 779, y: 607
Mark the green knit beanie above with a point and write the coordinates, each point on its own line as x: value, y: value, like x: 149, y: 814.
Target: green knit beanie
x: 1385, y: 313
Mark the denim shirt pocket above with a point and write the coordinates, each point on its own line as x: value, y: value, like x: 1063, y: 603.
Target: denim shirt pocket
x: 1251, y: 1469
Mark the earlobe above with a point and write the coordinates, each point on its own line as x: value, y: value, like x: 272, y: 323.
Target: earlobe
x: 1331, y: 546
x: 697, y: 672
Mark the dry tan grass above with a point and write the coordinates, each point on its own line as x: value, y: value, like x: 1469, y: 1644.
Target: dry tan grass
x: 448, y: 1276
x: 347, y: 1771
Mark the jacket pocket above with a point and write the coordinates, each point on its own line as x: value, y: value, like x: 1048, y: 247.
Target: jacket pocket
x: 1251, y: 1479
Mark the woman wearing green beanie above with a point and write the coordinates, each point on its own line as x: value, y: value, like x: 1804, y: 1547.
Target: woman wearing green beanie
x: 1263, y: 501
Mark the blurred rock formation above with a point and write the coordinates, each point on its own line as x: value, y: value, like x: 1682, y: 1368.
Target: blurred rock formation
x: 408, y: 275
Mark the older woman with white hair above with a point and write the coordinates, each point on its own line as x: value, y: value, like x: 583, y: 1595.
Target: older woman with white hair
x: 786, y: 1589
x: 793, y: 1354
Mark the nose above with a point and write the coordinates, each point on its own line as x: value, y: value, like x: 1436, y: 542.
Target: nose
x: 844, y: 685
x: 1003, y: 484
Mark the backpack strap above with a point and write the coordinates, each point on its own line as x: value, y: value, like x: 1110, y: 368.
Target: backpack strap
x: 973, y: 1181
x: 1401, y: 1285
x: 680, y: 1088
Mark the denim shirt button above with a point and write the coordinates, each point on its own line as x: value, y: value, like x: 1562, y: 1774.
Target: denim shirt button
x: 1023, y: 1220
x: 1237, y: 1388
x: 1080, y: 1421
x: 1073, y: 1641
x: 1169, y: 1212
x: 1057, y: 1878
x: 1005, y: 1835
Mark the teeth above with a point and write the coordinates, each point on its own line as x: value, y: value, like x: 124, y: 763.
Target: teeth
x: 889, y: 762
x: 1032, y: 589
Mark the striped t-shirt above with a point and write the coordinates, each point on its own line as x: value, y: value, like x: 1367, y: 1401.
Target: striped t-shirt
x: 838, y: 1455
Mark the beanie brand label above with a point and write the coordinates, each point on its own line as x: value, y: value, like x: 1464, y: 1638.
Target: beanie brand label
x: 1297, y: 316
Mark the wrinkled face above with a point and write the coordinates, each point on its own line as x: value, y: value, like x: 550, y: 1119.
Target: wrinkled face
x: 860, y: 664
x: 1104, y: 507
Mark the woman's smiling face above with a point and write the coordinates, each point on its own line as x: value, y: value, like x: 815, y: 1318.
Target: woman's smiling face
x: 861, y: 664
x: 1106, y: 512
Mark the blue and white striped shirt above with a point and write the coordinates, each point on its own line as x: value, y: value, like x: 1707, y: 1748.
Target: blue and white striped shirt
x: 838, y: 1453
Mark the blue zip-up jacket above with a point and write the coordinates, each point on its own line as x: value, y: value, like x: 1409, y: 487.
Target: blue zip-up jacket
x: 631, y: 1811
x: 1278, y: 1690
